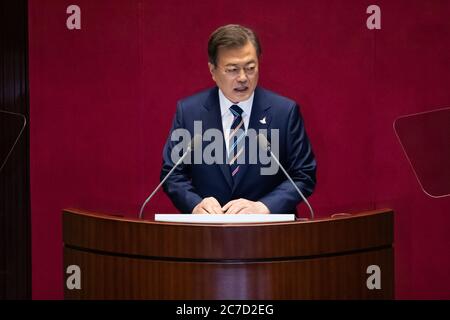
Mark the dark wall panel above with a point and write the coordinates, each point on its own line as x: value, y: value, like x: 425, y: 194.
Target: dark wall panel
x: 15, y: 247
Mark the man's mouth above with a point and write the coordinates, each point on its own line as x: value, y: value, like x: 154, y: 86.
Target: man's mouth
x: 241, y: 89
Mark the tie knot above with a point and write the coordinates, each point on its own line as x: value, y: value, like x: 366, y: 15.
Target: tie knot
x: 236, y: 110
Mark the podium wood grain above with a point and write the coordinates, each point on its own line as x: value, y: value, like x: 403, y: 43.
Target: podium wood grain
x: 124, y: 258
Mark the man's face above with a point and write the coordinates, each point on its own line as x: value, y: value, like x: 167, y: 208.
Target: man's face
x: 236, y: 73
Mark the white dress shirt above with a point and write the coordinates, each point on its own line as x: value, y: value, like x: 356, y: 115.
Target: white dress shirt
x: 227, y: 116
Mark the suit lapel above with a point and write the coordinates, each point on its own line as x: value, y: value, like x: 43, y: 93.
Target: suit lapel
x: 259, y: 119
x: 212, y: 119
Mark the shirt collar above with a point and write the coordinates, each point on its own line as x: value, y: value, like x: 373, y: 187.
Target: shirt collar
x: 245, y: 105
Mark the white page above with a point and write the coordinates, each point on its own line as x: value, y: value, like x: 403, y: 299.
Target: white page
x: 224, y: 218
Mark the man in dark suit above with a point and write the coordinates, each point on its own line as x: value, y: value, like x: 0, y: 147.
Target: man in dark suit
x: 236, y: 106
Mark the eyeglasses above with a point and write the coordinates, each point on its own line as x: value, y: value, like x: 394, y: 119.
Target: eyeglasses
x: 235, y: 71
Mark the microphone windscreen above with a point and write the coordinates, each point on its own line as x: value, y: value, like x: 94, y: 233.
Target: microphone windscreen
x: 263, y: 143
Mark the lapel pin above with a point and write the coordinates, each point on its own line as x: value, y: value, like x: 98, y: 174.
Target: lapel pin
x: 263, y: 120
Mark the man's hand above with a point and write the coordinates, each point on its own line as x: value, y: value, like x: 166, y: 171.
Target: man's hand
x: 207, y: 206
x: 245, y: 206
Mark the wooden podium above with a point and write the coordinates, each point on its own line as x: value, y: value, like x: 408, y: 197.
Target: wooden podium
x: 122, y: 258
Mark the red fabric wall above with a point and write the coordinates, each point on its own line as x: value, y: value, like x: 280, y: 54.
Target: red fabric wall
x: 103, y: 97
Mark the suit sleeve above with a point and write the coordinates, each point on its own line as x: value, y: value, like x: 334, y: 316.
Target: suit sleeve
x: 178, y: 186
x: 300, y: 164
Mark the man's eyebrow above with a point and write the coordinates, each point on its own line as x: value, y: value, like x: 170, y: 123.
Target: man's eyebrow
x: 237, y: 65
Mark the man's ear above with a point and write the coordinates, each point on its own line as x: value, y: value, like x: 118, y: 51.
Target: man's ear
x: 211, y: 70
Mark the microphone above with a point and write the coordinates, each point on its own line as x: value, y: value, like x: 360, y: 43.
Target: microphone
x: 265, y: 145
x: 195, y: 142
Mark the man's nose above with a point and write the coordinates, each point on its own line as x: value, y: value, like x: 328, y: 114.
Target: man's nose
x: 242, y: 76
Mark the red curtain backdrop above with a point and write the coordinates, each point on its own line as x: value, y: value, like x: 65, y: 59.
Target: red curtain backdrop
x: 103, y: 98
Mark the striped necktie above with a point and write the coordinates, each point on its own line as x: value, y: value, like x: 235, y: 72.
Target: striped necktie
x: 236, y: 140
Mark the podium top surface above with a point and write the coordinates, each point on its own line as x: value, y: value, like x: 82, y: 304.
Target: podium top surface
x: 342, y: 234
x: 212, y: 221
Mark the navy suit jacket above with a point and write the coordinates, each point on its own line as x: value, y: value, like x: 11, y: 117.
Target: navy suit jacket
x: 190, y: 183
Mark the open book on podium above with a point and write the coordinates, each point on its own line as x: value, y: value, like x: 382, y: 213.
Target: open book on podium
x: 224, y: 218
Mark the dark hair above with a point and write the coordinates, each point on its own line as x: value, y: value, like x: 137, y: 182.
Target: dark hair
x: 231, y: 36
